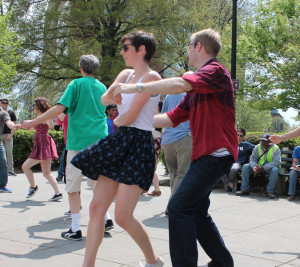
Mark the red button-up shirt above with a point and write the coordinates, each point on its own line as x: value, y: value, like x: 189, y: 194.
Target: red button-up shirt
x: 210, y: 107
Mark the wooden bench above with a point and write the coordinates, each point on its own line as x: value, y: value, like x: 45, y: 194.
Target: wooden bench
x: 286, y: 164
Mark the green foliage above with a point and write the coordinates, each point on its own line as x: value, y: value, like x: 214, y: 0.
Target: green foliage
x: 57, y: 33
x: 250, y: 118
x: 254, y: 138
x: 23, y: 145
x: 269, y: 49
x: 9, y: 56
x: 163, y: 161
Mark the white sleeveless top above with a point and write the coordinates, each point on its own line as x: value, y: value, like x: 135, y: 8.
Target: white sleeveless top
x: 144, y: 121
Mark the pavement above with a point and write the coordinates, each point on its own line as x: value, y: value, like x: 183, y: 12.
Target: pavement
x: 257, y: 231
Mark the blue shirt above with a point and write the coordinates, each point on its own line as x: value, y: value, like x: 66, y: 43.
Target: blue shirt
x: 245, y: 150
x: 171, y: 134
x: 110, y: 125
x: 296, y: 154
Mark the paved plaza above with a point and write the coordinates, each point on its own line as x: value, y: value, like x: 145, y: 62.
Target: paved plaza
x: 258, y: 232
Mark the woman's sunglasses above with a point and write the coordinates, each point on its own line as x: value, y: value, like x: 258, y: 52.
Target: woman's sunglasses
x: 125, y: 47
x: 33, y: 107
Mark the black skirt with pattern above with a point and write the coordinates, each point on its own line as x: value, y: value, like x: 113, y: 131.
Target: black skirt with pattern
x: 126, y: 156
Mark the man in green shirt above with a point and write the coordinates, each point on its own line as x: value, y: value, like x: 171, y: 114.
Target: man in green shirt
x: 87, y: 124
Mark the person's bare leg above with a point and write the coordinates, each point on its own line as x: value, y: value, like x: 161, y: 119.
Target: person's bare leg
x: 28, y: 172
x: 46, y: 169
x: 74, y: 202
x: 127, y: 198
x: 155, y: 182
x: 105, y: 192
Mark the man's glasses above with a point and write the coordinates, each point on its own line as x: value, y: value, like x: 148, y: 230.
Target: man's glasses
x: 240, y: 135
x: 125, y: 47
x: 5, y: 103
x: 187, y: 47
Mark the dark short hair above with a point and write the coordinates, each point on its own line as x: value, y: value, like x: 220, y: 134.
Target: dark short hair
x: 42, y: 104
x: 139, y: 38
x: 242, y: 131
x: 110, y: 106
x: 89, y: 63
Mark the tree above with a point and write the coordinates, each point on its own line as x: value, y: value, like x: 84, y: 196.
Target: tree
x: 251, y: 119
x: 9, y: 56
x: 58, y: 32
x: 269, y: 48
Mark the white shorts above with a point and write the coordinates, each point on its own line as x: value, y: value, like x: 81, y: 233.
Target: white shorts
x: 73, y: 175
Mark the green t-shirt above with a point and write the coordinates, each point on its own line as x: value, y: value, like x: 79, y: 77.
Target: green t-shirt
x: 87, y: 119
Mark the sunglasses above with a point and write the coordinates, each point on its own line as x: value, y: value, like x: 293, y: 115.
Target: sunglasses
x: 33, y: 107
x: 125, y: 47
x: 240, y: 135
x: 5, y: 103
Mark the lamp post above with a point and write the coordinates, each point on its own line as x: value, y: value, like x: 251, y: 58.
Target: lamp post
x: 233, y: 46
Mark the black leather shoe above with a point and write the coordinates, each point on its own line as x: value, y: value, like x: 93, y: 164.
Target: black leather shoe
x: 271, y: 195
x: 242, y: 193
x: 59, y: 178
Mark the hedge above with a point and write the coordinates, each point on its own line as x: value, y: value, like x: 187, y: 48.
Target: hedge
x: 23, y: 145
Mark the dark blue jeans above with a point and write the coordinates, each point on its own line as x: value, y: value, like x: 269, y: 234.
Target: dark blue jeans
x: 189, y: 220
x: 61, y: 170
x: 3, y: 166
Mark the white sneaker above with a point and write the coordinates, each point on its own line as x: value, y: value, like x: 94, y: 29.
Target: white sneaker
x: 159, y: 263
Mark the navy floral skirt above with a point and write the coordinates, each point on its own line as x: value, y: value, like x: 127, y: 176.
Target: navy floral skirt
x: 126, y: 156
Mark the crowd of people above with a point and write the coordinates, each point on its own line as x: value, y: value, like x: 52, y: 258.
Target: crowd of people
x: 120, y: 152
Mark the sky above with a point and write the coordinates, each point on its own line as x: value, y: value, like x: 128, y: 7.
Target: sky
x: 289, y: 115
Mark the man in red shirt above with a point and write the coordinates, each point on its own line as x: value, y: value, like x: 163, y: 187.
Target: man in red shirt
x: 210, y: 106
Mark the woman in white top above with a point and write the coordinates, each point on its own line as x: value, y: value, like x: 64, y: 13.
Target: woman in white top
x: 123, y: 163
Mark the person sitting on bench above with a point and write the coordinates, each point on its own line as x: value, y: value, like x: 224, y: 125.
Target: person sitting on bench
x: 265, y: 158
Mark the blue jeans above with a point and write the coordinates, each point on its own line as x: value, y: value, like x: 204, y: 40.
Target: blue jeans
x: 189, y: 220
x: 3, y: 166
x: 294, y: 175
x: 247, y: 170
x: 61, y: 170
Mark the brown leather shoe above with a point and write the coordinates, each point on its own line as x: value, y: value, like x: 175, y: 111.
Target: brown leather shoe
x: 242, y: 193
x: 154, y: 193
x: 291, y: 198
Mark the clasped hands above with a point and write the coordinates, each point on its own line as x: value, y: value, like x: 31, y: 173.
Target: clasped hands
x: 16, y: 127
x: 115, y: 91
x: 27, y: 124
x: 258, y: 169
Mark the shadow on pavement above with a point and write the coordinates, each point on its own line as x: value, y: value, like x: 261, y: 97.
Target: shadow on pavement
x: 24, y: 205
x: 157, y: 221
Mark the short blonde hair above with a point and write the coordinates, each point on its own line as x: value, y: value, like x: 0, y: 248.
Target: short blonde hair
x: 210, y: 39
